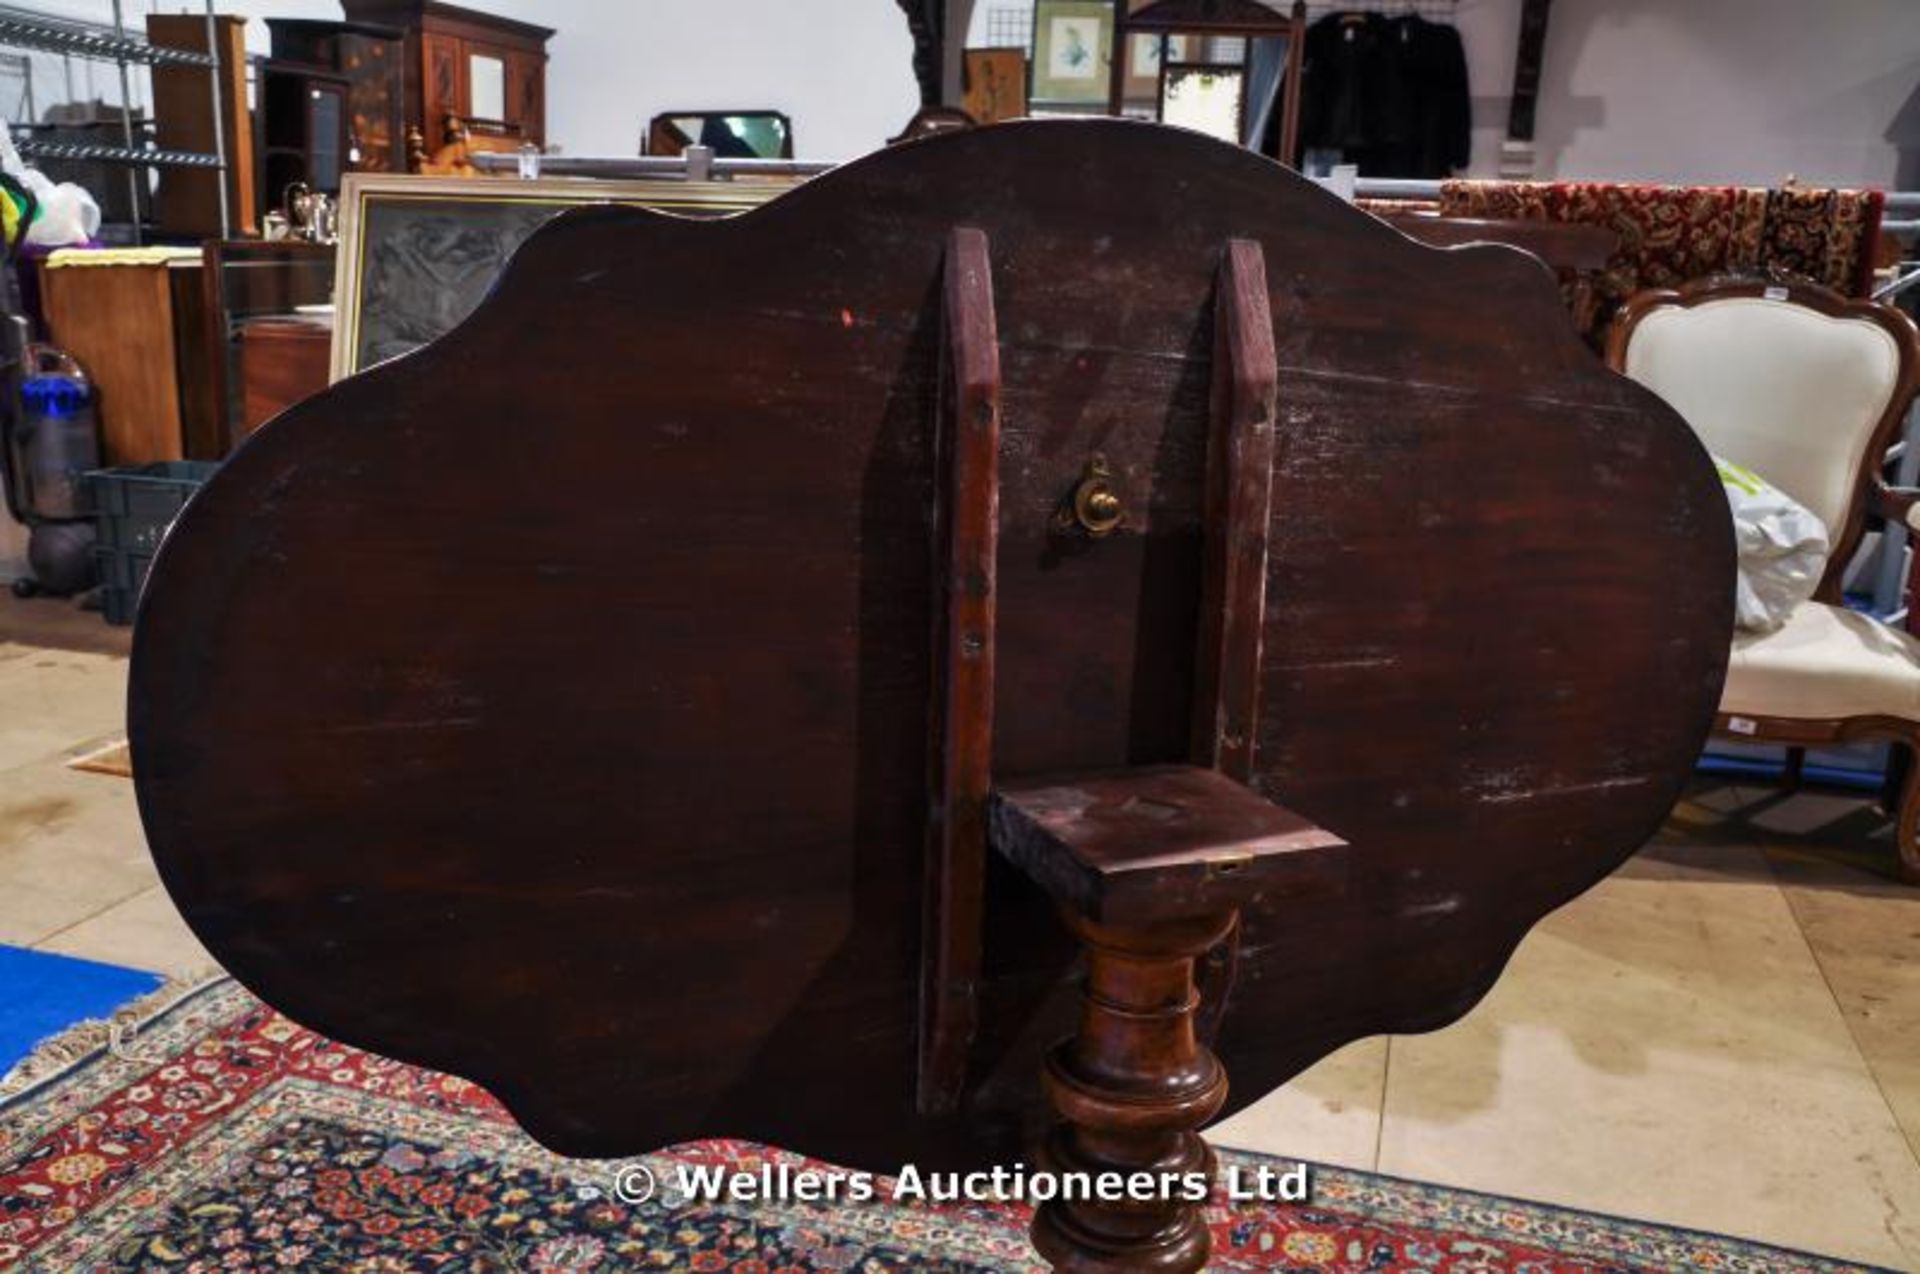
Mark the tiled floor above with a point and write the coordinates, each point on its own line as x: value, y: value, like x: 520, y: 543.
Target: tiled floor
x: 1725, y: 1034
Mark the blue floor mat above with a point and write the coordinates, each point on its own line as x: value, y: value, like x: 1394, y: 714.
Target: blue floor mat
x: 42, y: 995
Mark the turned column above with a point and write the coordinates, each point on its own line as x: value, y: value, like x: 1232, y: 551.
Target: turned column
x: 1149, y: 868
x: 1134, y: 1086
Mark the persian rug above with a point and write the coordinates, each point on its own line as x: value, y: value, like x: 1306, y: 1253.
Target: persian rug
x: 225, y: 1137
x: 1671, y: 234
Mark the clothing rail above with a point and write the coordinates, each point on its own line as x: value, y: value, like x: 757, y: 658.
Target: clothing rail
x: 1408, y: 188
x: 1887, y: 291
x: 1434, y: 10
x: 1898, y: 201
x: 1396, y: 188
x: 699, y: 163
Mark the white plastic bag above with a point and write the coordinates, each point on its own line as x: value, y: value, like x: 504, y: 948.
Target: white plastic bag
x: 68, y: 214
x: 1782, y: 547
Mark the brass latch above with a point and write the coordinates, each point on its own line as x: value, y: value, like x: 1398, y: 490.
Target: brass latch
x: 1094, y: 507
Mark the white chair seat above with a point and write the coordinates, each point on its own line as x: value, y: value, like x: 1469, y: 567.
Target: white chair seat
x: 1825, y: 664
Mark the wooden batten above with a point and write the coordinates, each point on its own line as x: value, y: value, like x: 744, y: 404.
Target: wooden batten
x: 1218, y: 17
x: 966, y: 542
x: 1239, y: 514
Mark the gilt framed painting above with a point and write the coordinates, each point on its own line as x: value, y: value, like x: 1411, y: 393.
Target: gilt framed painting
x: 418, y: 254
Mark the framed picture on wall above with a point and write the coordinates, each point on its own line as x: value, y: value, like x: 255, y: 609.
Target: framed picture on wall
x: 1072, y: 52
x: 1206, y: 98
x: 1143, y: 63
x: 995, y: 82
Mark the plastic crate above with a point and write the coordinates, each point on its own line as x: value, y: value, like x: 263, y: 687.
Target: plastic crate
x: 136, y: 505
x: 133, y: 510
x: 122, y: 576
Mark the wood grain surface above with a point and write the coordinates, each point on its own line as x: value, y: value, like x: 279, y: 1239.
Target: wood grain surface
x: 552, y: 706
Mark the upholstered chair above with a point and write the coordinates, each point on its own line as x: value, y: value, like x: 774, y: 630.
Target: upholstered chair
x: 1808, y: 390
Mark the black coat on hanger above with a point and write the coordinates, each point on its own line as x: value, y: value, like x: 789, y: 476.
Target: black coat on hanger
x: 1389, y: 93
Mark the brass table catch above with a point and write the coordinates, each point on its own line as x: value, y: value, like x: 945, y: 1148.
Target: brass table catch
x: 1094, y: 507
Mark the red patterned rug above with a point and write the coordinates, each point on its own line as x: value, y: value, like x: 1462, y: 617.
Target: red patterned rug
x: 224, y: 1137
x: 1671, y: 234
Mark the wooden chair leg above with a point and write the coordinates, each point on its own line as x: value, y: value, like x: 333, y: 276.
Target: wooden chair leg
x: 1796, y: 765
x: 1893, y: 781
x: 1906, y: 825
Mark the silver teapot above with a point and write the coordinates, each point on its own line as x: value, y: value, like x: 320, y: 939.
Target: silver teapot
x: 312, y: 216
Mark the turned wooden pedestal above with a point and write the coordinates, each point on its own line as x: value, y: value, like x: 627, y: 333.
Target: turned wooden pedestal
x: 1134, y: 1085
x: 1150, y: 868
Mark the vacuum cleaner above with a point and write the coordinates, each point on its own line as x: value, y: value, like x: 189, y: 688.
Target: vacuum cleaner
x: 49, y: 439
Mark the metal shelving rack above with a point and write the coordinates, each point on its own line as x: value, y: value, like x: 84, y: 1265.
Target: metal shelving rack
x: 22, y: 28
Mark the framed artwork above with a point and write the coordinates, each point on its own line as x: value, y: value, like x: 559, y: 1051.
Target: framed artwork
x: 1143, y: 63
x: 1206, y: 98
x: 418, y: 254
x: 996, y: 84
x: 1072, y: 51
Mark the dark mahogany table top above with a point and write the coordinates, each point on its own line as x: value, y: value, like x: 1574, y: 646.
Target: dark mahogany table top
x: 550, y: 706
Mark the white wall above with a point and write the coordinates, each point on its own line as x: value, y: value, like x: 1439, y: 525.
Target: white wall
x: 843, y: 69
x: 1711, y: 91
x: 1664, y: 90
x: 1708, y: 91
x: 1661, y: 90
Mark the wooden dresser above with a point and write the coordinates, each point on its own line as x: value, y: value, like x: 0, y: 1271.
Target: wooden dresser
x: 283, y: 361
x: 188, y: 206
x: 135, y: 321
x: 372, y: 59
x: 487, y: 71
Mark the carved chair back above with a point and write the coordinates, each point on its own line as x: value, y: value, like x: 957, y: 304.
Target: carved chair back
x: 1791, y: 380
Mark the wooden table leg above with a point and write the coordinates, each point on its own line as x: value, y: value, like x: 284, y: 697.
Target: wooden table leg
x: 1149, y: 868
x: 1134, y: 1085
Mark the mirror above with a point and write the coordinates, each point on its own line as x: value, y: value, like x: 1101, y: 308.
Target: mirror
x: 486, y: 88
x: 730, y: 134
x: 1207, y: 99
